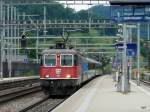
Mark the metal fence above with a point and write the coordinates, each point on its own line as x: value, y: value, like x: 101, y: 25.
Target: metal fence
x: 21, y: 69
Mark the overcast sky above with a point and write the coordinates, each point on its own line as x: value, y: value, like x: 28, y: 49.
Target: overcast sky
x: 85, y: 6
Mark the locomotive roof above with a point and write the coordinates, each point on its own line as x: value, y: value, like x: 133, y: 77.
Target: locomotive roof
x: 71, y: 51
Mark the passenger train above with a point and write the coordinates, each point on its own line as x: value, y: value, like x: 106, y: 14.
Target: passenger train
x: 62, y: 71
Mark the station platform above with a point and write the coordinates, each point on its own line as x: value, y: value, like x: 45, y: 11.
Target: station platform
x: 100, y: 95
x: 15, y: 79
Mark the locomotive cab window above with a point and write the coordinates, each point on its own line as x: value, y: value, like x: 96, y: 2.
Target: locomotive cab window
x: 49, y: 60
x: 41, y: 60
x: 76, y: 63
x: 67, y: 60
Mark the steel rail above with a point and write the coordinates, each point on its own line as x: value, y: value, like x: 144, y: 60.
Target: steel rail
x: 8, y: 84
x: 146, y: 82
x: 10, y: 94
x: 35, y: 104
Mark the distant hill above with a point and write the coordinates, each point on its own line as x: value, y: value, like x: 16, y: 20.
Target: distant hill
x: 58, y: 11
x: 101, y: 11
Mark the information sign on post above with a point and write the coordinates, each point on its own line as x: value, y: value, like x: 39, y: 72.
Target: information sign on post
x: 131, y: 48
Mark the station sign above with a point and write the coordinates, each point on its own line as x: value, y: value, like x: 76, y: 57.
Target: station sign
x: 119, y: 46
x: 133, y: 14
x: 130, y: 47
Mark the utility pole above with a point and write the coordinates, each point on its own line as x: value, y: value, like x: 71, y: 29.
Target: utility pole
x: 18, y: 34
x: 24, y: 17
x: 8, y: 31
x: 148, y: 45
x: 8, y: 40
x: 148, y: 33
x: 89, y: 16
x: 15, y: 32
x: 2, y: 36
x: 138, y: 55
x: 130, y: 59
x: 11, y: 43
x: 37, y: 45
x: 44, y: 22
x: 1, y: 31
x: 125, y: 81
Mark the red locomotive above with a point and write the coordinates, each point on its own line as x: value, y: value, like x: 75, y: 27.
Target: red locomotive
x: 63, y: 70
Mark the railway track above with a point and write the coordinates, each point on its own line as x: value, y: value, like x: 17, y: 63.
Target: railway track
x: 44, y: 105
x: 28, y: 98
x: 9, y: 94
x: 145, y: 82
x: 35, y: 104
x: 8, y: 84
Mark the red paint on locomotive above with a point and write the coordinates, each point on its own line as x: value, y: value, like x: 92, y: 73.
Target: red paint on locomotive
x: 58, y: 71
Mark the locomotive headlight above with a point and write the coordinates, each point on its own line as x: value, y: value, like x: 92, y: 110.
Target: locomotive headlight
x: 58, y: 71
x: 68, y: 76
x: 47, y: 76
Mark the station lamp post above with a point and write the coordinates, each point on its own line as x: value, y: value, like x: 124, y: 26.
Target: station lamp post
x: 123, y: 82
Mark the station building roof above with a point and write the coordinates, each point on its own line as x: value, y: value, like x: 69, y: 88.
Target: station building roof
x: 129, y: 2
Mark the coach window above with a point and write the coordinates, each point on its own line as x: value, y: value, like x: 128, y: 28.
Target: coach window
x: 66, y: 60
x: 91, y: 66
x: 50, y: 60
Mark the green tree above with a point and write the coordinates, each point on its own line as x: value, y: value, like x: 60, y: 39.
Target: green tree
x: 105, y: 61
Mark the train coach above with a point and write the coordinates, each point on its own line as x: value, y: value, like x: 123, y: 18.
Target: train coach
x: 62, y: 71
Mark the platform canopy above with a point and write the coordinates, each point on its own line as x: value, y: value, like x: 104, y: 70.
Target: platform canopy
x: 112, y: 2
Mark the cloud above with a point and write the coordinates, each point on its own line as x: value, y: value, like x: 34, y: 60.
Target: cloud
x: 82, y: 5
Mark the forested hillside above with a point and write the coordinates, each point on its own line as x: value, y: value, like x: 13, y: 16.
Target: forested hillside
x: 58, y: 11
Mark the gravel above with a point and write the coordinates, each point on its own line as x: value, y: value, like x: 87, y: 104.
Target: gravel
x: 47, y: 105
x: 18, y: 104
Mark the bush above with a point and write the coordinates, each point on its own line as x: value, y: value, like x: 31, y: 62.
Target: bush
x: 28, y: 73
x: 107, y: 69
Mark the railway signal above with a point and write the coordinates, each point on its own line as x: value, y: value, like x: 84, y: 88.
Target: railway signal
x: 23, y: 41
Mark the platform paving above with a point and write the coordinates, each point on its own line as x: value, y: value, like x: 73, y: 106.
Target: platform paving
x: 100, y: 95
x: 14, y: 79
